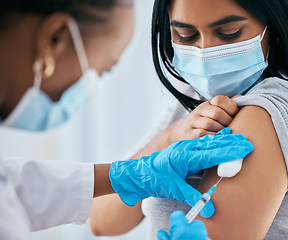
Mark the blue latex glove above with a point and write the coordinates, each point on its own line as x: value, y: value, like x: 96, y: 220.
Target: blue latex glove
x: 181, y: 230
x: 163, y: 173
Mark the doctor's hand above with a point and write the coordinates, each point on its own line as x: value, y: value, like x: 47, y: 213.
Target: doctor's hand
x: 180, y: 229
x: 163, y: 173
x: 208, y: 118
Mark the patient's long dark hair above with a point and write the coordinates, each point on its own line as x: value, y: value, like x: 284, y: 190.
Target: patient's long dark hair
x: 272, y: 13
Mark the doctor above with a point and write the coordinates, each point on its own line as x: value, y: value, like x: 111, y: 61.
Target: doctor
x: 52, y: 53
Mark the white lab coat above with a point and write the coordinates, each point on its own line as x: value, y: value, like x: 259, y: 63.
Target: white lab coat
x: 36, y: 195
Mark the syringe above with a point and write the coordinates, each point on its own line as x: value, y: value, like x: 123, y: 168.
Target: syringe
x: 205, y: 198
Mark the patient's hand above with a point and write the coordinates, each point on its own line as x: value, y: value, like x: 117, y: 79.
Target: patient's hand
x: 208, y: 118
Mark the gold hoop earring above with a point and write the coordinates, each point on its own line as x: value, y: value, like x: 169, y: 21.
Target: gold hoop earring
x: 49, y: 67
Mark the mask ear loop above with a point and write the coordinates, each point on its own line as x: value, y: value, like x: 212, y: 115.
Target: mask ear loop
x: 79, y: 46
x: 263, y: 34
x: 268, y: 50
x: 38, y: 68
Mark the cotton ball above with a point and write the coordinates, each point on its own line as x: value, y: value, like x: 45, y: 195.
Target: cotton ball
x: 230, y: 169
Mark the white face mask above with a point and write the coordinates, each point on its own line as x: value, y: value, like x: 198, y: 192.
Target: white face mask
x: 37, y: 112
x: 223, y: 70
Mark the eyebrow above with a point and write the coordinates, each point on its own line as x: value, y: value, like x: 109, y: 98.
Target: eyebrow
x: 180, y: 25
x: 229, y: 19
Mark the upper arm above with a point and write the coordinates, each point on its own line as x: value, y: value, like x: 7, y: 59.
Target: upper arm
x: 247, y: 203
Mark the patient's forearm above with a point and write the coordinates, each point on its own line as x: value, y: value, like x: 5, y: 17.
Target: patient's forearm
x: 109, y: 216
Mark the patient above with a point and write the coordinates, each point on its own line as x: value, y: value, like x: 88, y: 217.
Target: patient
x: 252, y: 205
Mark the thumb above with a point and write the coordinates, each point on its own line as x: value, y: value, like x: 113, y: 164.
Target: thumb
x: 162, y: 235
x: 192, y: 196
x: 177, y: 219
x: 236, y: 96
x: 208, y: 210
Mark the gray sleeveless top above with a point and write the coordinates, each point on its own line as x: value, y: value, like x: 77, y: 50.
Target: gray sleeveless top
x: 272, y: 95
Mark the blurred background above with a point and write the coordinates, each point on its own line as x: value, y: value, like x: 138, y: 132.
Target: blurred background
x: 128, y: 103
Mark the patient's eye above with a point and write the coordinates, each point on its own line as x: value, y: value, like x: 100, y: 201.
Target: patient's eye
x: 230, y: 34
x: 188, y: 39
x: 185, y: 36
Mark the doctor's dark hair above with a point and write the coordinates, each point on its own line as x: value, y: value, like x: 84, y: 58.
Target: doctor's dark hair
x: 272, y: 13
x: 79, y: 9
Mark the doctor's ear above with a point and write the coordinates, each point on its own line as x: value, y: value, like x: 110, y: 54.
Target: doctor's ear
x: 53, y: 40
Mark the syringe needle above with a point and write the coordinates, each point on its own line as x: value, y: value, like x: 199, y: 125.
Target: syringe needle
x: 219, y: 181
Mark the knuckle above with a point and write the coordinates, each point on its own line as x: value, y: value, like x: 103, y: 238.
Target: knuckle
x: 216, y: 114
x: 219, y: 100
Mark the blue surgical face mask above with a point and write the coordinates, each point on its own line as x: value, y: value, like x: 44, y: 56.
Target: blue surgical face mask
x: 223, y: 70
x: 37, y: 112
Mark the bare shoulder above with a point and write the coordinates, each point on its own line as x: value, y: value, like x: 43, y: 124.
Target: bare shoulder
x: 247, y: 204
